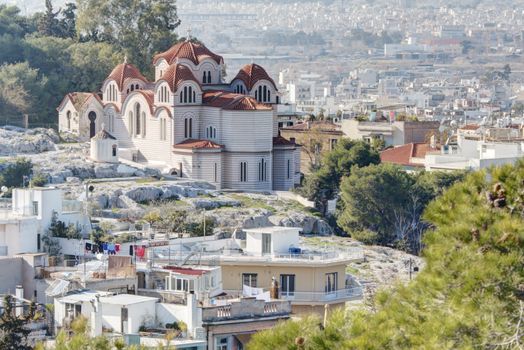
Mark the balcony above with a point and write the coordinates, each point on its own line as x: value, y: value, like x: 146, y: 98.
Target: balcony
x: 246, y: 308
x: 341, y: 295
x: 238, y: 256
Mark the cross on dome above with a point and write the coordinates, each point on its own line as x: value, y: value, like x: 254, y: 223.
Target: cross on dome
x: 188, y: 35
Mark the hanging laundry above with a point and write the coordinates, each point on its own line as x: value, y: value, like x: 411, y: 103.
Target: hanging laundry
x: 117, y: 247
x: 111, y: 248
x: 140, y: 251
x: 104, y: 247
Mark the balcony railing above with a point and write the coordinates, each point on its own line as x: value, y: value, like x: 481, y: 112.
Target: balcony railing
x: 246, y: 308
x: 340, y: 295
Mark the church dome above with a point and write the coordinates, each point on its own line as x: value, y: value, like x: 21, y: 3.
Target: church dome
x: 195, y: 52
x: 250, y: 74
x: 124, y: 72
x: 176, y: 74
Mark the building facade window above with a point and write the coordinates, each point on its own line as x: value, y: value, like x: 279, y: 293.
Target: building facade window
x: 262, y: 170
x: 163, y: 129
x: 68, y: 117
x: 289, y: 168
x: 266, y: 244
x: 143, y: 124
x: 249, y: 279
x: 188, y: 128
x: 137, y: 120
x: 113, y: 150
x: 211, y: 132
x: 263, y: 94
x: 331, y: 282
x: 243, y: 171
x: 287, y: 285
x: 130, y: 123
x: 215, y: 168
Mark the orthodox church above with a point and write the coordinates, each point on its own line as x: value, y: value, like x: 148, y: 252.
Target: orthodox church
x: 190, y: 122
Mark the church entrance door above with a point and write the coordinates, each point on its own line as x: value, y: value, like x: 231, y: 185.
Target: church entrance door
x: 92, y: 126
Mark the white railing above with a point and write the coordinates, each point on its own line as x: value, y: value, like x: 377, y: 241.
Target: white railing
x: 352, y: 293
x: 345, y: 294
x: 243, y: 308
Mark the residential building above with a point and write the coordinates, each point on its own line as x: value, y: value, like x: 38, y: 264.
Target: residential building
x: 393, y: 133
x: 476, y: 147
x: 316, y: 139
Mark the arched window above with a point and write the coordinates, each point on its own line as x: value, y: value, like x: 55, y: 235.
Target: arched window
x: 163, y: 129
x: 130, y: 123
x: 190, y: 93
x: 260, y: 93
x: 143, y: 124
x: 211, y: 132
x: 264, y: 93
x: 204, y: 78
x: 262, y: 170
x: 194, y: 96
x: 185, y: 94
x: 132, y: 88
x: 68, y: 117
x: 114, y: 150
x: 137, y: 120
x: 209, y: 77
x: 110, y: 120
x: 243, y: 171
x: 188, y: 128
x: 137, y: 87
x: 181, y: 96
x: 268, y: 96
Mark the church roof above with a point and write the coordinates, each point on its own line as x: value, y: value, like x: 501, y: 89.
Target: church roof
x: 103, y: 135
x: 78, y: 99
x: 195, y: 52
x: 232, y: 101
x: 198, y: 144
x: 250, y: 74
x: 176, y: 74
x: 125, y: 71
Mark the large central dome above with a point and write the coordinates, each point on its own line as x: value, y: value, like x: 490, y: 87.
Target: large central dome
x: 195, y: 52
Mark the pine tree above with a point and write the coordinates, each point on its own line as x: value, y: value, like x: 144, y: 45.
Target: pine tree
x: 13, y: 333
x: 49, y: 25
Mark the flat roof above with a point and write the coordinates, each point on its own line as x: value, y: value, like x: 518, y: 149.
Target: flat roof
x: 273, y: 229
x: 127, y: 299
x: 86, y: 295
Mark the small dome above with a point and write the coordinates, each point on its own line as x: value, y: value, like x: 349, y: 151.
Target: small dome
x: 250, y: 74
x: 176, y: 74
x: 123, y: 72
x: 195, y: 52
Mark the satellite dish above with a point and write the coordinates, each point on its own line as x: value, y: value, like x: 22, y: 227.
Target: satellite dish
x: 91, y: 188
x: 4, y: 189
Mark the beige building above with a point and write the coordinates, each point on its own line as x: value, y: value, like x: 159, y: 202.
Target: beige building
x: 316, y: 139
x: 393, y: 133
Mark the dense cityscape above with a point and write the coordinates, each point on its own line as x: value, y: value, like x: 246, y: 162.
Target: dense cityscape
x: 229, y: 175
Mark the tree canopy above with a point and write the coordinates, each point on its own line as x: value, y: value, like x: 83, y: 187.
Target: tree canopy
x: 383, y: 204
x: 470, y: 294
x: 324, y: 182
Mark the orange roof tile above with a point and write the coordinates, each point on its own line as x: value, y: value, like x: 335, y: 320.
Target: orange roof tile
x: 123, y: 72
x: 176, y: 74
x: 195, y: 52
x: 402, y: 155
x: 280, y: 141
x: 250, y: 74
x: 232, y: 101
x: 198, y: 144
